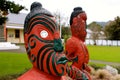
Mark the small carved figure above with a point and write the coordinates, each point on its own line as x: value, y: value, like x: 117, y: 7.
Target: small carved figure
x: 76, y: 51
x: 44, y: 48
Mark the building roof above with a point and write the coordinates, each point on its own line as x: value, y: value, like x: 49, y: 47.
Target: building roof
x: 14, y: 27
x: 16, y: 18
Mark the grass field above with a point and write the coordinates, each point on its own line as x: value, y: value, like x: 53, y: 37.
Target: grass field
x: 104, y: 53
x: 15, y: 63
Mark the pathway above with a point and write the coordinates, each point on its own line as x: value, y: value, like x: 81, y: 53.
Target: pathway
x: 105, y: 62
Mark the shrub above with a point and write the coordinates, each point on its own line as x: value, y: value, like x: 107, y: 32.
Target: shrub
x: 102, y: 74
x: 95, y: 66
x: 117, y: 77
x: 118, y: 68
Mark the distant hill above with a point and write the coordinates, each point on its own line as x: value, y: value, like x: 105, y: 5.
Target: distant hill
x: 102, y: 23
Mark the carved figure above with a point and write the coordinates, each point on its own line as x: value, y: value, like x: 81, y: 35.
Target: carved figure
x: 76, y: 50
x: 44, y: 48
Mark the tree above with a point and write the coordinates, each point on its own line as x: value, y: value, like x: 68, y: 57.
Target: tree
x: 112, y: 30
x: 58, y: 18
x: 6, y: 7
x: 61, y: 21
x: 66, y: 32
x: 96, y: 29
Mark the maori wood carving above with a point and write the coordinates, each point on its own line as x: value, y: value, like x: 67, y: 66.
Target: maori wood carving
x: 44, y: 48
x: 76, y: 51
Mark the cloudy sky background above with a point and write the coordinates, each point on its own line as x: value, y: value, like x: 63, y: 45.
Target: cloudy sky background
x: 97, y: 10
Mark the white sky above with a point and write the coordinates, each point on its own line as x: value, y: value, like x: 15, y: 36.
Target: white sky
x: 97, y: 10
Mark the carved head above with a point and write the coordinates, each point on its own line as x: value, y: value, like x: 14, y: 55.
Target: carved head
x: 78, y: 23
x: 42, y: 41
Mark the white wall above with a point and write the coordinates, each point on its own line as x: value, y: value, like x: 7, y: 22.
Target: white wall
x: 11, y: 36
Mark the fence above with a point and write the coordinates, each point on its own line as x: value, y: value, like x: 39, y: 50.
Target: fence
x: 103, y: 42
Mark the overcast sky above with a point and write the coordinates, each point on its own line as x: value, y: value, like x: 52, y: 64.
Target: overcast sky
x: 97, y: 10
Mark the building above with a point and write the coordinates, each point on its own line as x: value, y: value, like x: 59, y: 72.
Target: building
x: 14, y: 28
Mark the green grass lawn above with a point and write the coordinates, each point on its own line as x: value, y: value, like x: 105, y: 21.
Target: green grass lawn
x: 16, y: 63
x: 13, y: 63
x: 104, y: 53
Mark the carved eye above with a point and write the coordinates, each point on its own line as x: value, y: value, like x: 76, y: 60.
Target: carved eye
x: 43, y: 34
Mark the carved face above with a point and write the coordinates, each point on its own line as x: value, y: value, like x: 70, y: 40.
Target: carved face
x: 78, y: 26
x: 43, y: 45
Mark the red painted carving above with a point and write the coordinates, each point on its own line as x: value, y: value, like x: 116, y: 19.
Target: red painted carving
x: 76, y: 51
x: 44, y: 48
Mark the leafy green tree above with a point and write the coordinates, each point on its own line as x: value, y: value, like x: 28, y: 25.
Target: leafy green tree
x: 6, y: 7
x: 66, y: 32
x: 96, y: 29
x: 112, y: 30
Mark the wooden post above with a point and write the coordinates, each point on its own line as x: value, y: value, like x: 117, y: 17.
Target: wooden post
x: 5, y: 33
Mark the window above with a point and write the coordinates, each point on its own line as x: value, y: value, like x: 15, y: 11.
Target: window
x: 17, y: 33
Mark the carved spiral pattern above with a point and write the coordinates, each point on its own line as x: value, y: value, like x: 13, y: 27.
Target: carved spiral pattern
x: 45, y: 58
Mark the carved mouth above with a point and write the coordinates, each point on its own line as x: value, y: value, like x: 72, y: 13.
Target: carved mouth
x: 62, y: 60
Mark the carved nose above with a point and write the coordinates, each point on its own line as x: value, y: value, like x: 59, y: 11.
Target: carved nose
x: 58, y: 47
